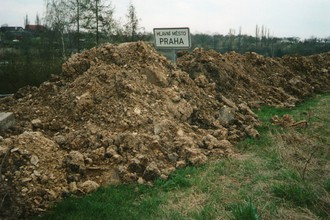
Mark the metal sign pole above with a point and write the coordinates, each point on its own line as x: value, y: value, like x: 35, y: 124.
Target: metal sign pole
x: 174, y: 56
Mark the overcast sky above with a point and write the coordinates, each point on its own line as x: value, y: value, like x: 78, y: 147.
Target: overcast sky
x: 284, y: 18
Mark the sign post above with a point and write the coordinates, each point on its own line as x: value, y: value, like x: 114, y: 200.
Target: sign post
x: 172, y: 38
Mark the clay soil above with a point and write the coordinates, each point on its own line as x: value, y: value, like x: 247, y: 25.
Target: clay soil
x: 124, y: 113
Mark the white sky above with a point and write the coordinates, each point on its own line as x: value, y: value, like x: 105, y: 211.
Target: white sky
x: 284, y: 18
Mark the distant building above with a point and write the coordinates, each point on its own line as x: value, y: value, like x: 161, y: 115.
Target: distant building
x: 11, y: 33
x: 35, y: 28
x: 4, y: 29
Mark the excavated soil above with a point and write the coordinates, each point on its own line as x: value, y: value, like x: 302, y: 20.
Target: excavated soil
x: 259, y: 80
x: 123, y: 113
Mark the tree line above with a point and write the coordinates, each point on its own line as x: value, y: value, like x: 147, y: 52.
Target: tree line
x: 262, y: 43
x: 81, y: 24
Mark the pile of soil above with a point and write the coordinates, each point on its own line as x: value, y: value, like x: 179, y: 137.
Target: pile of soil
x: 259, y: 80
x: 123, y: 113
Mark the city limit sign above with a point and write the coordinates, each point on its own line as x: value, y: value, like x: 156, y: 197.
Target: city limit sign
x: 172, y: 38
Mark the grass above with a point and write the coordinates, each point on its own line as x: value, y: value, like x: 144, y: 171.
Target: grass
x: 119, y: 202
x: 300, y: 194
x: 284, y: 174
x: 177, y: 180
x: 327, y: 185
x: 245, y: 210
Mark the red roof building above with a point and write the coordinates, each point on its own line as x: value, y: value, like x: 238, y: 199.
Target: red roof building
x: 35, y: 28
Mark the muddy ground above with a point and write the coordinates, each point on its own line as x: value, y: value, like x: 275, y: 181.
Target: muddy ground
x: 124, y: 113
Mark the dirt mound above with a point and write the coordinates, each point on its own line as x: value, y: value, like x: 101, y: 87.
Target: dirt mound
x: 258, y: 80
x: 117, y: 113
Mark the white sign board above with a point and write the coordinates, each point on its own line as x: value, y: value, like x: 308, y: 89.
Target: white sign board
x: 172, y: 38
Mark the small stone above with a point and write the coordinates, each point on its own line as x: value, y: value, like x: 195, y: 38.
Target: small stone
x: 36, y: 123
x: 180, y: 132
x: 52, y: 194
x: 252, y: 132
x: 7, y: 120
x: 164, y: 177
x: 210, y: 141
x: 117, y: 158
x: 180, y: 164
x: 140, y: 180
x: 176, y: 98
x: 88, y: 160
x: 14, y: 150
x: 244, y: 108
x: 73, y: 187
x: 24, y: 180
x: 221, y: 133
x: 224, y: 144
x: 73, y: 177
x: 172, y: 157
x: 198, y: 160
x: 151, y: 172
x: 229, y: 102
x: 195, y: 156
x: 98, y: 153
x: 75, y: 162
x: 3, y: 150
x: 37, y: 202
x: 227, y: 116
x: 44, y: 179
x: 137, y: 111
x: 135, y: 166
x: 60, y: 140
x: 324, y: 70
x: 36, y: 173
x: 34, y: 160
x: 89, y: 186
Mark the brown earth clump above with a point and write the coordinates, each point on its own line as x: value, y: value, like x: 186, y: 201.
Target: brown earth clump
x: 123, y: 113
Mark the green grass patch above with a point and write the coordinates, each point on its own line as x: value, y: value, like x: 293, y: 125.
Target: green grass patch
x: 246, y: 210
x: 327, y: 185
x: 116, y: 202
x: 177, y: 180
x: 289, y: 175
x: 299, y: 193
x: 208, y: 212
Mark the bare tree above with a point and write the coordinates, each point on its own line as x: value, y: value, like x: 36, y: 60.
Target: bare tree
x: 79, y: 16
x: 59, y: 19
x: 132, y: 24
x: 257, y: 35
x: 37, y: 21
x: 239, y: 39
x: 231, y: 35
x: 26, y: 20
x: 97, y: 17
